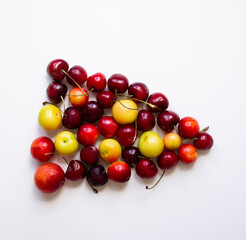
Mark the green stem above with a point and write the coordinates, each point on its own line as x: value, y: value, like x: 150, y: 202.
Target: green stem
x: 147, y: 187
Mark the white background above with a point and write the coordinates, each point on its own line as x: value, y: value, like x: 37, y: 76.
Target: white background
x: 192, y: 51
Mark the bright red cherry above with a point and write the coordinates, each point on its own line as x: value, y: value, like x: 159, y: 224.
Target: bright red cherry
x: 55, y: 92
x: 145, y: 121
x: 92, y: 111
x: 89, y: 155
x: 42, y: 149
x: 118, y: 83
x: 56, y: 69
x: 96, y: 82
x: 126, y: 135
x: 131, y: 155
x: 78, y: 74
x: 119, y: 171
x: 87, y: 134
x: 106, y: 99
x: 107, y: 126
x: 72, y: 118
x: 159, y: 100
x: 203, y: 141
x: 76, y: 170
x: 187, y: 153
x: 188, y: 127
x: 167, y: 120
x: 139, y: 91
x: 146, y: 168
x: 167, y: 160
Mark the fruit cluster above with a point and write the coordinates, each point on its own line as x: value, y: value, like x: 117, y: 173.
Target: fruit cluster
x: 120, y: 130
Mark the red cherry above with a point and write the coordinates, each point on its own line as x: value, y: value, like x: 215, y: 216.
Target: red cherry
x: 146, y: 168
x: 78, y: 74
x: 187, y: 153
x: 92, y: 111
x: 96, y: 82
x: 89, y: 155
x: 72, y: 118
x: 119, y: 171
x: 188, y: 127
x: 126, y: 135
x: 167, y: 160
x: 107, y: 126
x: 55, y: 69
x: 145, y: 121
x: 166, y: 120
x: 87, y: 134
x: 118, y: 83
x: 139, y: 91
x: 55, y: 92
x: 131, y: 155
x: 76, y: 170
x: 106, y: 99
x: 204, y: 141
x: 159, y: 100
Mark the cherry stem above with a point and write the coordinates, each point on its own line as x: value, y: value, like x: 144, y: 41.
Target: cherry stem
x: 94, y: 190
x: 136, y: 132
x: 61, y: 157
x: 126, y: 106
x: 175, y: 128
x: 205, y: 129
x: 63, y: 103
x: 147, y: 187
x: 45, y: 103
x: 151, y: 105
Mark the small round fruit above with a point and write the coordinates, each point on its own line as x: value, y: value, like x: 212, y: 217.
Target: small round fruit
x: 126, y: 135
x: 188, y: 127
x: 76, y: 170
x: 78, y: 74
x: 131, y: 155
x: 56, y: 91
x: 172, y: 141
x: 90, y: 155
x: 66, y: 143
x: 72, y: 118
x: 109, y: 150
x: 42, y: 149
x: 150, y: 144
x: 92, y: 111
x: 119, y: 171
x: 125, y: 111
x: 167, y: 160
x: 139, y: 91
x: 159, y: 100
x: 106, y: 99
x: 49, y: 177
x: 96, y: 82
x: 50, y: 117
x: 203, y: 141
x: 187, y: 153
x: 55, y: 69
x: 97, y: 176
x: 145, y: 121
x: 167, y: 120
x: 77, y: 97
x: 87, y: 134
x: 146, y: 168
x: 107, y: 126
x: 118, y: 83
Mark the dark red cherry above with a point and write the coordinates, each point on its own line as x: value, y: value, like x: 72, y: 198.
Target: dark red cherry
x: 145, y: 121
x: 146, y: 168
x: 96, y: 82
x: 55, y: 69
x: 72, y: 118
x: 167, y: 160
x: 76, y: 170
x: 78, y: 74
x: 126, y: 135
x: 106, y: 99
x: 131, y: 155
x: 159, y: 100
x: 118, y: 83
x: 89, y: 155
x: 92, y: 111
x: 204, y: 141
x: 56, y: 91
x: 167, y: 120
x: 138, y: 90
x: 96, y: 175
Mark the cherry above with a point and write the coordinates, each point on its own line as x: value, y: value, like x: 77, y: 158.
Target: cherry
x: 76, y: 170
x: 146, y: 168
x: 106, y: 99
x: 107, y: 126
x: 89, y: 155
x: 118, y: 83
x: 87, y: 134
x: 145, y: 121
x: 72, y: 118
x: 77, y: 74
x: 55, y: 69
x: 167, y: 120
x: 126, y: 135
x: 159, y: 100
x: 92, y: 111
x: 187, y: 153
x: 119, y: 171
x: 56, y: 91
x: 139, y: 91
x: 167, y: 160
x: 131, y: 155
x: 96, y: 82
x: 203, y: 141
x: 188, y: 127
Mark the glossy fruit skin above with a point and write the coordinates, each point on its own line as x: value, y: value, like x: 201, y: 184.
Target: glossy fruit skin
x: 96, y: 82
x: 139, y: 91
x: 166, y: 120
x: 146, y: 168
x: 118, y: 83
x: 76, y: 170
x: 50, y: 117
x: 78, y: 74
x: 145, y: 121
x: 150, y: 144
x: 56, y: 91
x: 204, y: 141
x: 109, y: 150
x: 159, y: 100
x: 90, y: 155
x: 66, y: 143
x: 121, y: 112
x: 87, y: 134
x: 78, y: 98
x: 55, y: 67
x: 92, y: 111
x: 49, y: 177
x: 126, y: 135
x: 106, y: 99
x: 187, y: 153
x: 41, y: 149
x: 96, y: 175
x: 107, y: 126
x: 167, y: 160
x: 119, y: 171
x: 188, y: 127
x: 172, y: 141
x: 72, y: 118
x: 131, y: 155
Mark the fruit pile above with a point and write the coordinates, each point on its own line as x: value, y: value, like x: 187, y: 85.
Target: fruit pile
x: 133, y: 113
